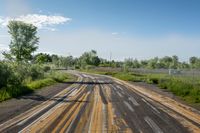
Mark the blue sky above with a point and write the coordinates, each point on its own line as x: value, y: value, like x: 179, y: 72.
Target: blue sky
x: 127, y: 28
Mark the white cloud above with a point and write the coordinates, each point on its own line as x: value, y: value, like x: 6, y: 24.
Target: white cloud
x: 115, y: 33
x: 40, y: 21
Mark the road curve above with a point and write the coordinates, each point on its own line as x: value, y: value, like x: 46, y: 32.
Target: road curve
x: 98, y: 104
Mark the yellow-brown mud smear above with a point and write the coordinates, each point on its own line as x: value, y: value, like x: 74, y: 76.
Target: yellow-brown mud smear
x: 115, y: 122
x: 75, y: 109
x: 85, y: 117
x: 107, y: 92
x: 37, y: 108
x: 97, y: 120
x: 42, y: 124
x: 111, y: 125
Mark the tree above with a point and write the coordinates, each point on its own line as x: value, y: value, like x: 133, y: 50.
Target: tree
x: 152, y: 63
x: 42, y: 58
x: 95, y: 60
x: 55, y: 60
x: 67, y: 61
x: 184, y: 65
x: 89, y: 58
x: 136, y: 63
x: 193, y: 61
x: 175, y: 62
x: 166, y: 61
x: 23, y: 41
x: 144, y: 63
x: 128, y: 63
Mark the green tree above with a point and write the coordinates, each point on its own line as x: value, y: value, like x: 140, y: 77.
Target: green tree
x: 128, y: 63
x: 67, y: 61
x: 55, y: 60
x: 42, y: 58
x: 23, y: 41
x: 89, y: 58
x: 193, y: 61
x: 165, y: 62
x: 144, y: 63
x: 175, y: 62
x: 184, y: 65
x: 95, y: 60
x: 153, y: 63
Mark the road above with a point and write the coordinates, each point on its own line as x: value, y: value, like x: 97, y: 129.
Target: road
x: 96, y: 104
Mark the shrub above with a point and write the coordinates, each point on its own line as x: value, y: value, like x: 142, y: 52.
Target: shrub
x: 88, y: 67
x: 35, y: 72
x: 7, y: 76
x: 5, y: 73
x: 27, y: 72
x: 46, y: 68
x: 154, y: 80
x: 59, y: 76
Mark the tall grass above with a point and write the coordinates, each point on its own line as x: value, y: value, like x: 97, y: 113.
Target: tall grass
x: 20, y: 79
x: 187, y: 88
x: 16, y: 91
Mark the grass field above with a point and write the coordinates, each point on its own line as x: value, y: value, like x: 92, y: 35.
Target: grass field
x: 187, y: 88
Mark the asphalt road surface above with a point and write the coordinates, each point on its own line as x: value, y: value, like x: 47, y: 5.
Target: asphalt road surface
x: 98, y: 104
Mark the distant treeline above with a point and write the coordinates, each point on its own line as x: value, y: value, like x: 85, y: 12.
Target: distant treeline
x: 89, y: 59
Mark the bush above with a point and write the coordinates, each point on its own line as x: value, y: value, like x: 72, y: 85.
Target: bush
x: 27, y: 72
x: 35, y: 72
x: 46, y: 68
x: 77, y: 67
x: 14, y: 91
x: 154, y: 80
x: 163, y: 83
x: 7, y: 76
x: 88, y: 67
x: 59, y: 76
x: 5, y: 73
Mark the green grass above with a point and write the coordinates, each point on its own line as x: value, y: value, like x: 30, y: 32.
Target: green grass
x: 121, y: 75
x: 41, y: 83
x: 50, y: 79
x: 10, y: 92
x: 187, y: 88
x: 184, y: 89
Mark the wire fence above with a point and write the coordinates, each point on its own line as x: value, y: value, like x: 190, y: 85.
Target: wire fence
x: 176, y: 72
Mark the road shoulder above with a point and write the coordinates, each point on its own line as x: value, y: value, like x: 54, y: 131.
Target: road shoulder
x: 164, y: 92
x: 16, y: 106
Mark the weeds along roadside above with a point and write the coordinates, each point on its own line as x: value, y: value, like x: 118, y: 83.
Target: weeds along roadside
x: 187, y: 88
x: 19, y: 79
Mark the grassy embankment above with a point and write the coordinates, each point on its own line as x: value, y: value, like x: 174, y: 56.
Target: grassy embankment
x: 187, y: 88
x: 28, y: 87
